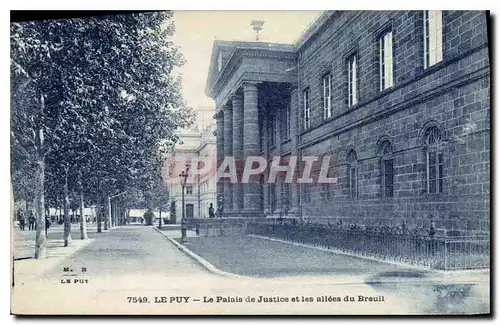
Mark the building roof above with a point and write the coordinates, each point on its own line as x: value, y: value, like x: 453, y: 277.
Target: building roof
x: 228, y: 48
x: 312, y: 29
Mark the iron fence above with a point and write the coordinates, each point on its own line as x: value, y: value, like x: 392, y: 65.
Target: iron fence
x: 436, y: 252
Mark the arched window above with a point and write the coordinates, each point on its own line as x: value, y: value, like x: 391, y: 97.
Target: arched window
x: 261, y: 188
x: 327, y: 188
x: 352, y: 161
x: 434, y: 161
x: 387, y: 168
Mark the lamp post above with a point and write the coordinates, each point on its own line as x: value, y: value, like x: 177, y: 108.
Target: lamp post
x: 183, y: 176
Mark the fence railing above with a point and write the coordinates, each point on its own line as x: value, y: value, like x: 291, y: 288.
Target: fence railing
x: 445, y: 253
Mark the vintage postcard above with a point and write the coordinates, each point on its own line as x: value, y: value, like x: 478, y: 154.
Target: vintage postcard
x: 251, y: 163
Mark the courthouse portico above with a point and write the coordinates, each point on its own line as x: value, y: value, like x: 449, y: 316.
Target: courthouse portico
x: 254, y: 86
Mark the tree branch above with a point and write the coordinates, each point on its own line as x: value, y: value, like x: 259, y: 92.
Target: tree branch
x: 23, y: 150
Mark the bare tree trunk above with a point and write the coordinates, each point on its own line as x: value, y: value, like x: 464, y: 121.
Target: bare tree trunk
x: 13, y: 220
x: 98, y: 212
x: 120, y: 213
x: 83, y: 222
x: 113, y: 214
x: 67, y: 220
x: 107, y: 207
x: 40, y: 238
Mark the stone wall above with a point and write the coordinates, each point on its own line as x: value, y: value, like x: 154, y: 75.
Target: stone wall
x: 452, y: 95
x: 218, y: 227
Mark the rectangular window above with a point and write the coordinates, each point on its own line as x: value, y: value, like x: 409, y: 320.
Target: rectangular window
x: 326, y: 188
x: 307, y: 110
x: 271, y: 131
x: 189, y: 190
x: 285, y: 194
x: 388, y: 178
x: 385, y: 44
x: 261, y: 133
x: 353, y: 182
x: 434, y: 172
x: 433, y: 37
x: 285, y: 123
x: 288, y: 119
x: 272, y: 196
x: 352, y: 80
x: 327, y: 96
x: 261, y: 190
x: 306, y: 193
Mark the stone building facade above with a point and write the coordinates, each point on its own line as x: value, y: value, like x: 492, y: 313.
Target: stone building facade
x: 399, y: 101
x: 197, y: 143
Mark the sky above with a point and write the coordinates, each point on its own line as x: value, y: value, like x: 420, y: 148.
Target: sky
x: 196, y: 31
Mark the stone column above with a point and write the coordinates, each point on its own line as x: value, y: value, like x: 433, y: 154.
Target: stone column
x: 267, y: 154
x: 251, y: 135
x: 220, y: 152
x: 294, y: 133
x: 237, y: 100
x: 228, y: 152
x: 280, y: 176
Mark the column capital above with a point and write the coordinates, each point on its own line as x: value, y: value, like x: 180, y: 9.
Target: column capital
x: 227, y: 107
x: 250, y: 85
x: 219, y: 114
x: 237, y: 96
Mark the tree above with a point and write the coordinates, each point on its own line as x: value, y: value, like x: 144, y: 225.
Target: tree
x: 100, y: 124
x: 34, y: 88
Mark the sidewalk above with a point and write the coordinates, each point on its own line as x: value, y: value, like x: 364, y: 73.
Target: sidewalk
x: 27, y: 268
x: 174, y: 231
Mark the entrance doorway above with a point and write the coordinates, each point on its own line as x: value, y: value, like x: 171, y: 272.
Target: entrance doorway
x: 189, y: 211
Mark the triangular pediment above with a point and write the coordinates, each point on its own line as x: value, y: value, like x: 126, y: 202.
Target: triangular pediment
x: 221, y: 51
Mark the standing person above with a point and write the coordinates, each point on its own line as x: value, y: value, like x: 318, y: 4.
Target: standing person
x: 22, y: 221
x: 211, y: 213
x: 47, y: 224
x: 31, y: 223
x: 220, y: 207
x: 33, y: 220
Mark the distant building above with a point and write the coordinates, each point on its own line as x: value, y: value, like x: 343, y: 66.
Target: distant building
x: 136, y: 215
x: 196, y: 143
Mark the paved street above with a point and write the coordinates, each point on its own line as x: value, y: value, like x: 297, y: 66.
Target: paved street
x: 137, y: 261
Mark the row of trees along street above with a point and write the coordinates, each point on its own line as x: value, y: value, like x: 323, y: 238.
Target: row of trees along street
x: 95, y: 105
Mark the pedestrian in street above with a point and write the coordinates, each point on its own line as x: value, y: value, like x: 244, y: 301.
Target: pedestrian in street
x: 31, y: 223
x: 211, y: 213
x: 22, y: 221
x: 47, y: 224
